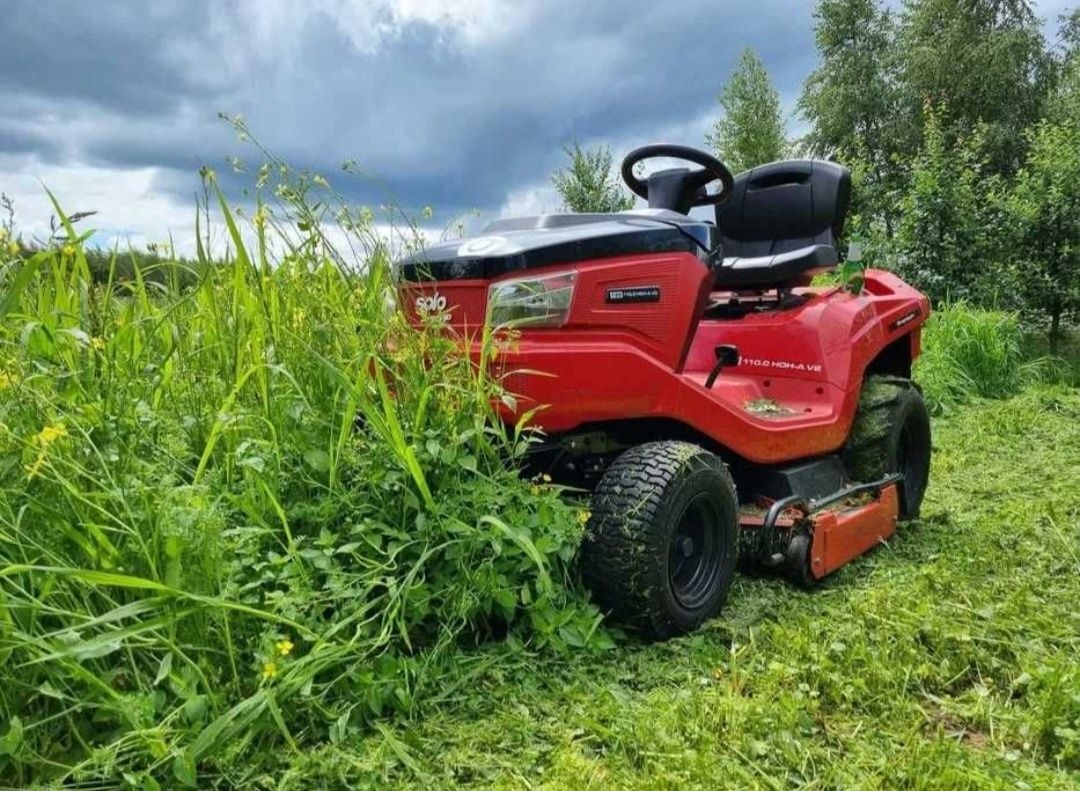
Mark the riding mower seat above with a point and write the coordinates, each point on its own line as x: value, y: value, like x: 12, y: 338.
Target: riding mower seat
x: 781, y: 223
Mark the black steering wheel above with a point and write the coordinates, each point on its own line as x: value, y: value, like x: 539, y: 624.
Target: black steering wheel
x: 678, y: 189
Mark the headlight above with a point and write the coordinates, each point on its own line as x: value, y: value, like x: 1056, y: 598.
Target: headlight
x: 531, y: 301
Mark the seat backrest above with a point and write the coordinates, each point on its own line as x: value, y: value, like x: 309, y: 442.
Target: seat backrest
x: 783, y: 206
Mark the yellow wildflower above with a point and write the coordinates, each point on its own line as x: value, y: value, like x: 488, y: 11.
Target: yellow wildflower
x: 260, y: 217
x: 48, y: 435
x: 546, y: 478
x: 285, y: 647
x: 97, y: 342
x: 69, y: 251
x: 584, y: 516
x: 269, y: 670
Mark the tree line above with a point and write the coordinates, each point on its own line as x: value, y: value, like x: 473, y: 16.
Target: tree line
x: 960, y: 122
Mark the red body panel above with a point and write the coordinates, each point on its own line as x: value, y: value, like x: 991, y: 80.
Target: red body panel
x: 650, y: 360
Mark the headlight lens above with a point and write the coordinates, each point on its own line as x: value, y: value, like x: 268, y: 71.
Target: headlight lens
x: 531, y: 301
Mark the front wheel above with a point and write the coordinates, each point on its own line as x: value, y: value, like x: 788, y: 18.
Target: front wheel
x: 660, y: 549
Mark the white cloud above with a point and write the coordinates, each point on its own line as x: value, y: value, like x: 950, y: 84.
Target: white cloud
x: 534, y: 199
x: 367, y: 23
x: 271, y: 28
x: 131, y: 208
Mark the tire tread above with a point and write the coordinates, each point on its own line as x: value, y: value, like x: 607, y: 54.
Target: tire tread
x: 619, y: 560
x: 883, y: 402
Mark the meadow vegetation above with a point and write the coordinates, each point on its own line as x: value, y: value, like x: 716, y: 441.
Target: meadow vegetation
x: 947, y: 660
x: 250, y: 511
x: 255, y: 531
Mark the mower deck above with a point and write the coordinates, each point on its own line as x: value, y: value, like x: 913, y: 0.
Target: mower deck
x: 841, y: 536
x: 817, y: 543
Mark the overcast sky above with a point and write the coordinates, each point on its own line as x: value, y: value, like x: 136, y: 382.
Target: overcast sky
x: 457, y: 104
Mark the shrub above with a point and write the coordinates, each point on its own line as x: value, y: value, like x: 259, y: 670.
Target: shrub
x: 255, y: 511
x: 589, y: 182
x: 1045, y: 213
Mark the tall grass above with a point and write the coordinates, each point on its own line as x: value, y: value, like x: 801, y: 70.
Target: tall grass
x: 253, y: 512
x: 970, y: 353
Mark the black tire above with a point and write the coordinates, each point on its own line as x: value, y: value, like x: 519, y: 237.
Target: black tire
x: 660, y: 548
x: 891, y: 433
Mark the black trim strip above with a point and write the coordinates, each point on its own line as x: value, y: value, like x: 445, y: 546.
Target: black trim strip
x: 649, y: 241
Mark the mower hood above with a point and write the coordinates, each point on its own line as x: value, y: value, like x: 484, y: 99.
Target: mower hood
x: 543, y: 240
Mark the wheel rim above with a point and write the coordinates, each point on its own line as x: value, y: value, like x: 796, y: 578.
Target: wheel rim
x: 696, y: 554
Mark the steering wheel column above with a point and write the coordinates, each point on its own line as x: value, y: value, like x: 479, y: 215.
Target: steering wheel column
x: 671, y: 189
x: 678, y: 189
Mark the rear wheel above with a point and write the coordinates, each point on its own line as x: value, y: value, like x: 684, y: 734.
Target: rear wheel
x: 891, y: 433
x: 661, y: 543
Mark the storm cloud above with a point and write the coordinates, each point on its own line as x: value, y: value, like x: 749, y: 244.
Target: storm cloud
x: 458, y: 104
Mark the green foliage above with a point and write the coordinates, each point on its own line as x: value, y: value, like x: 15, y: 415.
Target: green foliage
x: 934, y: 110
x: 948, y: 660
x: 951, y: 239
x: 1045, y: 216
x: 983, y: 65
x: 1069, y: 37
x: 589, y: 183
x: 251, y: 513
x: 851, y: 101
x: 970, y: 353
x: 151, y: 266
x: 750, y: 132
x: 985, y: 60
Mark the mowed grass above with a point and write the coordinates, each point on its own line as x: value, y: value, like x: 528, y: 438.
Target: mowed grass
x: 949, y: 659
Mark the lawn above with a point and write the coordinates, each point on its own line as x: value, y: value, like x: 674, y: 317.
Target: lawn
x: 949, y: 659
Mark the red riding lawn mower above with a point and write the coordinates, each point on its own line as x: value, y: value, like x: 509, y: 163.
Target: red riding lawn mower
x: 717, y: 406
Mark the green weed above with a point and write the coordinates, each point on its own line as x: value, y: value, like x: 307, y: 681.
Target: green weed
x: 970, y: 353
x: 249, y: 509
